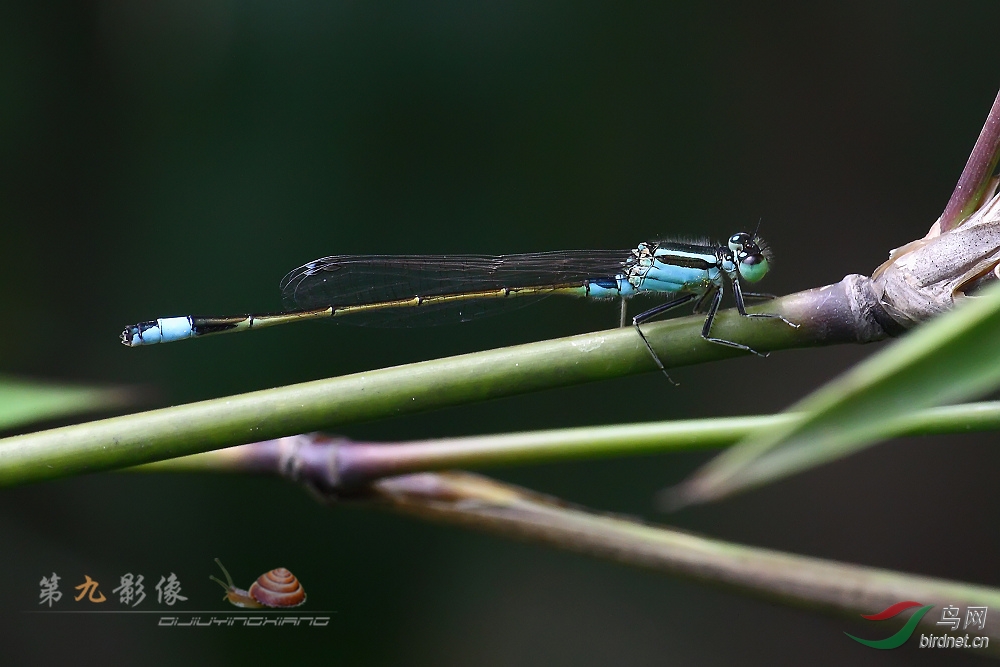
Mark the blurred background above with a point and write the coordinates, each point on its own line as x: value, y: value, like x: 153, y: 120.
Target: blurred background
x: 164, y: 158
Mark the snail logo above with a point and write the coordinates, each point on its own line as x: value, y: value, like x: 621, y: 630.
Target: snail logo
x: 278, y: 589
x: 898, y: 639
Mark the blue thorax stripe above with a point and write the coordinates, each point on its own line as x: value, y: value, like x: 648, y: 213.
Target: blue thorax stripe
x: 687, y: 255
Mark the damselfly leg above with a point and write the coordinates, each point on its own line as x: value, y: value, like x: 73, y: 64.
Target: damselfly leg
x: 706, y: 331
x: 653, y: 312
x: 741, y: 307
x: 714, y: 298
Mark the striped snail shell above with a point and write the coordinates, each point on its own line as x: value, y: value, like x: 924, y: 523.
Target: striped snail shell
x: 277, y: 588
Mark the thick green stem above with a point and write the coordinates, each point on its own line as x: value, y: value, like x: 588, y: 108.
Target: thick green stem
x: 198, y: 427
x: 825, y: 314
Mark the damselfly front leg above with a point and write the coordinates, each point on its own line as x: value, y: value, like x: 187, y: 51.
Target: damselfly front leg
x: 706, y: 331
x: 741, y: 307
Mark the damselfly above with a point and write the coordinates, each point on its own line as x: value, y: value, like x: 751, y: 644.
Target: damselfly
x: 392, y: 290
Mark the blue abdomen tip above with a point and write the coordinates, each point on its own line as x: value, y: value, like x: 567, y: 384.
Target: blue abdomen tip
x: 164, y: 330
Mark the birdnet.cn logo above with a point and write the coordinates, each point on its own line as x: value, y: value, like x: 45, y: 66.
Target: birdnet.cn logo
x: 953, y: 624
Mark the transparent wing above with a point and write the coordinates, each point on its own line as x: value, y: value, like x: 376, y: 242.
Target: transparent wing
x: 343, y: 280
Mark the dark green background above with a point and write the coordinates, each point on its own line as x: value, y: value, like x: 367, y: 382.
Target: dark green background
x: 174, y: 157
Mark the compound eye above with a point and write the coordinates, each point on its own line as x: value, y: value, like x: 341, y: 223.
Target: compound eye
x: 753, y: 267
x: 738, y: 242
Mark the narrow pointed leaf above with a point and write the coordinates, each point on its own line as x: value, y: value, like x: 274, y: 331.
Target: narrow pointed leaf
x: 25, y: 401
x: 954, y: 357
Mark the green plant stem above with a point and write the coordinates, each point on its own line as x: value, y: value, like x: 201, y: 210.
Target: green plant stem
x: 338, y: 464
x: 825, y: 316
x: 838, y: 588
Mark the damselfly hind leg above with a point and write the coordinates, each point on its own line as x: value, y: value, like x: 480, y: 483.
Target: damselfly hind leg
x: 650, y: 314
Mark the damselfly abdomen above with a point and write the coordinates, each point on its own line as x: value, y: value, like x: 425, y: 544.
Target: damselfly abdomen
x: 402, y: 290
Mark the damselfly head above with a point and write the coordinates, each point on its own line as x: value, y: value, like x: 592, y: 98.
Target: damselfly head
x: 739, y: 241
x: 752, y: 256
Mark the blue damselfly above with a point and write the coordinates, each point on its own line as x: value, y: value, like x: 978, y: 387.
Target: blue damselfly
x: 402, y: 290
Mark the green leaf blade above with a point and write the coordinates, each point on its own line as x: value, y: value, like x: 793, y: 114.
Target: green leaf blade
x: 24, y: 402
x: 952, y: 358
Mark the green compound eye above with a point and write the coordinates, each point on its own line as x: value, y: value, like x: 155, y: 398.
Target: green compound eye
x: 753, y: 267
